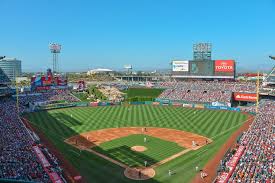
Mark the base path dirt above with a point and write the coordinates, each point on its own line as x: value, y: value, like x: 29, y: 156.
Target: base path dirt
x: 139, y: 173
x: 87, y: 140
x: 95, y: 138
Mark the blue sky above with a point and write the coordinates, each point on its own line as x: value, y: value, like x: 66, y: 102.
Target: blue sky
x: 145, y: 33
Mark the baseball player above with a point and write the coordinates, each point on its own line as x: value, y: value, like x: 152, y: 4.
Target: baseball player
x: 139, y: 174
x: 145, y: 163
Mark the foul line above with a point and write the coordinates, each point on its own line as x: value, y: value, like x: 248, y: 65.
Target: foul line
x: 215, y: 136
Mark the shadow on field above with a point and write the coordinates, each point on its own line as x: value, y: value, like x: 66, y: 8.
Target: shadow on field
x: 54, y: 128
x: 66, y: 119
x: 125, y: 155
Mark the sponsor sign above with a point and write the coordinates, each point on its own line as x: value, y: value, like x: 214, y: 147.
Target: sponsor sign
x: 45, y: 164
x: 218, y: 104
x: 213, y: 107
x: 55, y: 177
x: 41, y: 157
x: 249, y: 97
x: 155, y: 103
x: 231, y: 165
x: 182, y: 66
x: 176, y: 104
x: 187, y: 105
x: 39, y: 88
x: 223, y: 178
x: 200, y: 106
x: 222, y: 108
x: 224, y: 65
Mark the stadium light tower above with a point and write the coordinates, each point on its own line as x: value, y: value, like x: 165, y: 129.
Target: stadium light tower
x: 271, y: 74
x: 55, y: 49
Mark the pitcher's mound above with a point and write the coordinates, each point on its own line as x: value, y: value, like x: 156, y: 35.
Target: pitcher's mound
x: 140, y: 173
x: 138, y: 148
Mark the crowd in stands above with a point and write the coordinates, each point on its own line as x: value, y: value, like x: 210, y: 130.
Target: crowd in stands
x: 257, y: 162
x: 54, y: 95
x: 112, y: 93
x: 249, y: 109
x: 17, y: 159
x: 203, y: 91
x: 211, y: 85
x: 196, y: 95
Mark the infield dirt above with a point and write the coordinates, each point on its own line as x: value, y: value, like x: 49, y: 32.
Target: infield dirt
x: 95, y: 138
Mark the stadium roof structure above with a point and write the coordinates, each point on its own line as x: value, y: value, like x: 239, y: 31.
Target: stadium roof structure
x: 4, y: 78
x: 270, y: 78
x: 99, y: 70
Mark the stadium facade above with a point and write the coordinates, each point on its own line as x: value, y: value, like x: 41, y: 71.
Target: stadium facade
x: 11, y: 67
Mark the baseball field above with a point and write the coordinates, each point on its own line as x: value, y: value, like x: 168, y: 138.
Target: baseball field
x: 105, y: 143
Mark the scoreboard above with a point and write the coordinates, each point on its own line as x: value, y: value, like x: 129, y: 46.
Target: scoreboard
x: 211, y: 69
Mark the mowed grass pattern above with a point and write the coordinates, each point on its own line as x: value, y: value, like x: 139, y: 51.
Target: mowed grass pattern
x: 63, y: 123
x: 143, y: 92
x: 120, y: 149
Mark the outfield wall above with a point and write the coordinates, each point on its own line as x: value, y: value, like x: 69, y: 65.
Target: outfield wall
x: 188, y: 105
x: 158, y: 102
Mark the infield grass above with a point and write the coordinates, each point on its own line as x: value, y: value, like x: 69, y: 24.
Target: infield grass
x: 58, y: 125
x: 120, y: 149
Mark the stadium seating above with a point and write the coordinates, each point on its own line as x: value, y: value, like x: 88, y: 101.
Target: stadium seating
x: 257, y: 161
x: 211, y: 85
x: 17, y: 160
x: 203, y: 91
x: 55, y: 95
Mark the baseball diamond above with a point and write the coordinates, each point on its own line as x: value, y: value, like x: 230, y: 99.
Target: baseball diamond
x: 110, y: 92
x: 175, y: 139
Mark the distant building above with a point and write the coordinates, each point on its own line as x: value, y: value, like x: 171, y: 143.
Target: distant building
x: 11, y: 67
x: 21, y: 79
x: 97, y: 71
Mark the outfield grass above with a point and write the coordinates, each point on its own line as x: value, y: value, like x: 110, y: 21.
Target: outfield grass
x: 120, y: 149
x: 142, y: 94
x: 59, y: 125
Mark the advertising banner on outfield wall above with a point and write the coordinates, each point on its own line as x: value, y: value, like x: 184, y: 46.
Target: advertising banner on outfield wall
x: 155, y: 103
x: 222, y: 108
x: 224, y: 65
x: 182, y: 66
x: 187, y: 105
x: 218, y: 103
x: 248, y: 97
x: 199, y: 106
x: 176, y: 104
